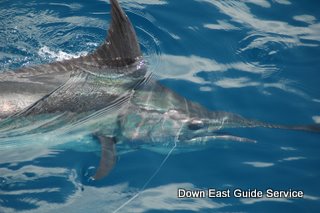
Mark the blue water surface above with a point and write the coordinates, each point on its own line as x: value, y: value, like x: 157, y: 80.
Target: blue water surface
x: 256, y: 58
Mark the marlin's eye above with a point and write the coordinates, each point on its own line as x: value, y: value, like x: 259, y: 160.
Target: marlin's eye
x: 195, y: 125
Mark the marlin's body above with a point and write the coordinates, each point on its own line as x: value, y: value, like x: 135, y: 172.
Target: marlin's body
x: 112, y: 85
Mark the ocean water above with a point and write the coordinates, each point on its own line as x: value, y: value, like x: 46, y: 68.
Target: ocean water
x: 256, y: 58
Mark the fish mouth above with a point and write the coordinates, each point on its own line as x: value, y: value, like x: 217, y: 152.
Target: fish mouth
x: 218, y: 137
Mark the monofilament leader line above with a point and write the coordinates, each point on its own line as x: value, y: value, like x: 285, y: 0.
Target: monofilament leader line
x: 154, y: 174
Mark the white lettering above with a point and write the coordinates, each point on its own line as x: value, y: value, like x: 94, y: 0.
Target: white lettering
x: 250, y: 193
x: 184, y: 193
x: 284, y: 193
x: 214, y: 193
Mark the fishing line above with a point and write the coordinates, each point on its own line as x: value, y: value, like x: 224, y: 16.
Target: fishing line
x: 154, y: 174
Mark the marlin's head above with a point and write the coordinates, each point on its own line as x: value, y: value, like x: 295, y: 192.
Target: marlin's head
x: 172, y: 127
x: 157, y: 115
x: 198, y: 125
x: 204, y: 125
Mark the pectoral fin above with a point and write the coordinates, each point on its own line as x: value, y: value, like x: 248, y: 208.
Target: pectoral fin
x: 108, y: 156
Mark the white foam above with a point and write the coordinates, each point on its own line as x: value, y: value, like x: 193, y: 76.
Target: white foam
x: 259, y: 164
x: 316, y: 119
x: 45, y: 52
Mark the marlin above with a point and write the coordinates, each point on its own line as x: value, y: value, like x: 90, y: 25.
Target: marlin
x: 114, y: 98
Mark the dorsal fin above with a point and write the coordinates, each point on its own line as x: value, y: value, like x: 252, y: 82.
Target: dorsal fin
x: 121, y: 46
